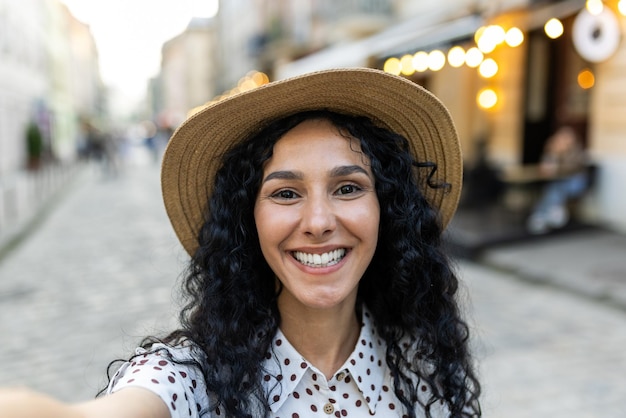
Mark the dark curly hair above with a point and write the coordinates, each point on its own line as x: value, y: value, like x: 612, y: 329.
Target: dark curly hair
x: 409, y: 287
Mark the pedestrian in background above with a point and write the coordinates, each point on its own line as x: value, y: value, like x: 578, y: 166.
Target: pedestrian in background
x: 312, y: 209
x: 564, y: 164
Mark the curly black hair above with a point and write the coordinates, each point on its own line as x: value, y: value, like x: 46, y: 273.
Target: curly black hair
x: 409, y: 287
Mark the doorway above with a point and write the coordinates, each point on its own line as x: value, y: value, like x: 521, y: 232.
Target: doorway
x: 553, y: 97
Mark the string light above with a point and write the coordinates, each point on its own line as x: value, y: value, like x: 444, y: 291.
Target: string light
x: 594, y: 7
x: 586, y: 79
x: 436, y: 60
x: 473, y: 57
x: 392, y: 66
x: 488, y: 68
x: 553, y: 28
x: 487, y: 38
x: 420, y: 61
x: 251, y: 81
x: 514, y: 37
x: 259, y: 78
x: 487, y: 98
x: 406, y: 65
x: 491, y: 36
x: 456, y: 56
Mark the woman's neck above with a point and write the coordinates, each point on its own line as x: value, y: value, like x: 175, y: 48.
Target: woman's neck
x: 325, y: 338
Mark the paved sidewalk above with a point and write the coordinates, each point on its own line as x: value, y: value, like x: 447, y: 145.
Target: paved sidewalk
x: 590, y: 262
x: 94, y: 278
x: 543, y: 352
x: 27, y: 197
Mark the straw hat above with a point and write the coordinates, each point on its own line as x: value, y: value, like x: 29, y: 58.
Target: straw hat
x: 193, y: 154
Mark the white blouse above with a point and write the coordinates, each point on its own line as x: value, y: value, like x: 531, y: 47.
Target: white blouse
x: 361, y: 387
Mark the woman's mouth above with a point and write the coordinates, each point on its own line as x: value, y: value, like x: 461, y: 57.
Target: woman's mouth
x: 320, y: 260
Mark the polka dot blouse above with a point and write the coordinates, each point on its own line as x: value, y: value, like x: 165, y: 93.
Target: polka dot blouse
x: 361, y: 387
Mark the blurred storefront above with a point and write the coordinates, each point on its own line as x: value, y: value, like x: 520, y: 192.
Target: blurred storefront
x: 537, y: 66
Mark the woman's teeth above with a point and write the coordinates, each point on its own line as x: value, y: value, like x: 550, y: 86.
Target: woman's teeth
x: 320, y: 260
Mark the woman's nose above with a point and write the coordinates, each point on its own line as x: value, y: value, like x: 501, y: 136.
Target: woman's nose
x: 318, y: 216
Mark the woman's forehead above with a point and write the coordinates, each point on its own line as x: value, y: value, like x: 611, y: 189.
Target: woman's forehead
x: 317, y: 138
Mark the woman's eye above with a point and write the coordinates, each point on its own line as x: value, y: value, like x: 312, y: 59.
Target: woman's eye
x: 348, y: 189
x: 285, y: 194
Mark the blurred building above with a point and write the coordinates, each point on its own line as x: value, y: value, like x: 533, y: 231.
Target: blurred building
x: 239, y: 28
x: 88, y: 96
x: 75, y: 91
x: 49, y: 77
x: 23, y: 78
x: 263, y: 34
x: 187, y: 78
x: 248, y: 36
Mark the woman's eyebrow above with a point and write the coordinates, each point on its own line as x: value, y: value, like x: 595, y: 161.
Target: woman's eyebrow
x: 283, y: 175
x: 346, y: 170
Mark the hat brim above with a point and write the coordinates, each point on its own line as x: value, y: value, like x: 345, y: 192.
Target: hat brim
x: 194, y: 152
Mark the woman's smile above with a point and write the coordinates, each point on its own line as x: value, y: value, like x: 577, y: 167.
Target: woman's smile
x: 315, y: 260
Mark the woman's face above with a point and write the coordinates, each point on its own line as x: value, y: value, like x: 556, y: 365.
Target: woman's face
x: 317, y: 216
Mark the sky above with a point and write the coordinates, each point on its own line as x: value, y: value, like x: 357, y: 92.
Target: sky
x: 129, y: 35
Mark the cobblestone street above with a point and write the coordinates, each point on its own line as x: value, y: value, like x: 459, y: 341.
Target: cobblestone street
x: 97, y: 276
x: 101, y: 272
x: 545, y: 353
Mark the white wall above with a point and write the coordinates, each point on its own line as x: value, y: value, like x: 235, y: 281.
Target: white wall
x: 23, y: 78
x: 609, y: 195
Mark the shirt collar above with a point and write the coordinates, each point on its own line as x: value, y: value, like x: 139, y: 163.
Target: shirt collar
x: 278, y: 385
x: 365, y: 365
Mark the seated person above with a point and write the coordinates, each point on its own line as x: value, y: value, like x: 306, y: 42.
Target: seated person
x: 564, y: 162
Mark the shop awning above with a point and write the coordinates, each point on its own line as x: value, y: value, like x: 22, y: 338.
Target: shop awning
x: 406, y: 35
x: 423, y: 31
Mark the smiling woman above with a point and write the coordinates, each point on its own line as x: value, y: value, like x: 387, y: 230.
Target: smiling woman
x: 312, y: 209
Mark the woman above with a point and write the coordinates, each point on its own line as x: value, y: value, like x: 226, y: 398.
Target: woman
x: 317, y: 285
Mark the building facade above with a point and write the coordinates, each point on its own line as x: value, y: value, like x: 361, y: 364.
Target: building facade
x: 187, y: 78
x: 49, y: 77
x: 23, y: 78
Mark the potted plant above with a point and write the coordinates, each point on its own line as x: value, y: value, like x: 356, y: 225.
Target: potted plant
x: 34, y: 146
